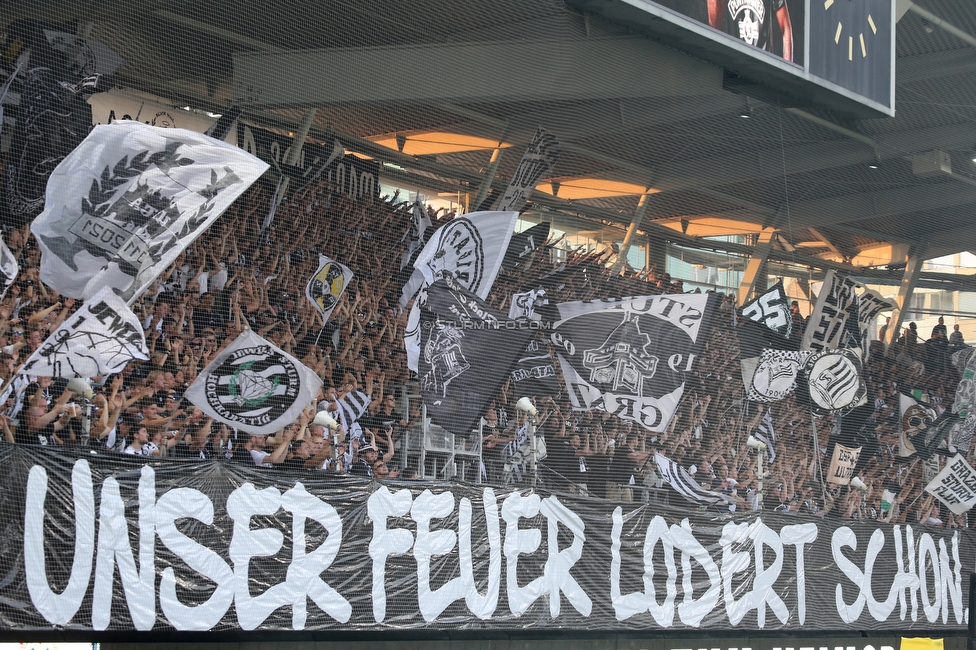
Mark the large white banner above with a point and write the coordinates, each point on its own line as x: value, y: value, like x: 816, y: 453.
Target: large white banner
x: 254, y: 386
x: 98, y: 339
x: 128, y: 200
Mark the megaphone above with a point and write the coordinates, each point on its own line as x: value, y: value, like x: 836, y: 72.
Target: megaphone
x: 856, y: 482
x: 755, y: 443
x: 81, y: 386
x: 525, y: 404
x: 323, y: 419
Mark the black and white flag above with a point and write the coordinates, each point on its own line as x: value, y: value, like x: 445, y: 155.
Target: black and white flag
x: 869, y: 305
x: 524, y: 305
x: 684, y: 484
x: 534, y: 372
x: 914, y: 417
x: 929, y: 439
x: 326, y: 285
x: 524, y: 244
x: 467, y: 351
x: 254, y: 386
x: 352, y: 406
x: 772, y: 309
x: 469, y: 249
x: 8, y: 267
x: 833, y: 323
x: 955, y: 485
x: 834, y: 381
x: 631, y: 356
x: 52, y: 119
x: 128, y: 200
x: 539, y: 158
x: 766, y: 435
x: 98, y: 339
x: 85, y: 56
x: 416, y: 235
x: 772, y: 376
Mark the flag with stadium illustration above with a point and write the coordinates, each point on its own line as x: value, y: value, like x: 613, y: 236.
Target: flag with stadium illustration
x: 254, y: 386
x: 327, y: 284
x: 631, y: 356
x: 8, y: 267
x: 469, y: 249
x: 467, y: 351
x: 98, y: 339
x: 128, y: 200
x: 772, y: 309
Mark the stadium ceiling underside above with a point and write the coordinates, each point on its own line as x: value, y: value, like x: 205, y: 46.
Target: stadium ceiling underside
x: 712, y: 156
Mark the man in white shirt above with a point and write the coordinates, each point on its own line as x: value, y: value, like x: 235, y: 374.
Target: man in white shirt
x: 264, y: 459
x: 140, y: 445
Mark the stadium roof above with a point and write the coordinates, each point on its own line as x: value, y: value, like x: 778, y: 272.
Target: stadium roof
x: 633, y: 115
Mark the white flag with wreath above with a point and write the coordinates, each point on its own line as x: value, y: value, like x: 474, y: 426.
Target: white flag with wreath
x: 128, y: 200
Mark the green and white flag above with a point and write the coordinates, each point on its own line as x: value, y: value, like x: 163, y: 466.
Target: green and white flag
x: 254, y: 386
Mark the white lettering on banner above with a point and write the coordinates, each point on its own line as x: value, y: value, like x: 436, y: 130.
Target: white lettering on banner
x: 929, y: 582
x: 189, y: 503
x: 382, y: 505
x: 114, y: 547
x: 946, y: 581
x: 59, y: 609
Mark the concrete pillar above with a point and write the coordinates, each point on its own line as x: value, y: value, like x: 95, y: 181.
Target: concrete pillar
x: 903, y: 299
x: 754, y: 276
x: 629, y: 235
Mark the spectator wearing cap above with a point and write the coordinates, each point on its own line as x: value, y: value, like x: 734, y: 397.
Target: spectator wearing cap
x: 362, y: 465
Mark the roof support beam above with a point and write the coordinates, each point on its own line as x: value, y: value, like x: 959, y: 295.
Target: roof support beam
x: 903, y: 299
x: 755, y: 268
x: 527, y: 70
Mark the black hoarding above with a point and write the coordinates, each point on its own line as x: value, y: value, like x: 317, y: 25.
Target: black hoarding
x: 93, y: 543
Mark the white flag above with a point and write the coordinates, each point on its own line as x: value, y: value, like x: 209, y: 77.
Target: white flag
x: 254, y: 386
x: 98, y: 339
x: 842, y: 464
x: 470, y: 249
x: 327, y: 284
x: 539, y: 158
x: 128, y: 200
x: 524, y: 304
x: 416, y: 236
x: 8, y: 267
x: 955, y: 485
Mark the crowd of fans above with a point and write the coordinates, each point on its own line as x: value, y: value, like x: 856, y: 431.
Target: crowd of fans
x: 232, y: 278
